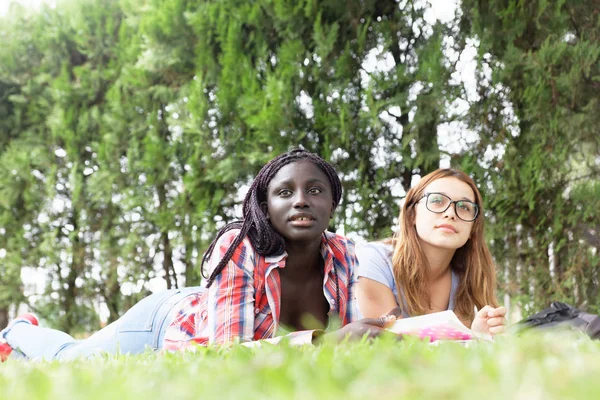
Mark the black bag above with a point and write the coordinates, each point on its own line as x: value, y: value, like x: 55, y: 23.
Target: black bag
x: 562, y: 315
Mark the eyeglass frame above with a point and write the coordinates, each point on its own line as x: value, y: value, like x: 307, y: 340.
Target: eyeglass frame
x: 449, y: 204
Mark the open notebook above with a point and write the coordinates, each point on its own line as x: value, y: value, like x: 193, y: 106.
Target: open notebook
x: 443, y: 325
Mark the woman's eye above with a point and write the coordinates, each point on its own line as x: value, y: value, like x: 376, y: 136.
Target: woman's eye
x: 435, y: 199
x: 284, y: 192
x: 464, y: 206
x: 314, y: 190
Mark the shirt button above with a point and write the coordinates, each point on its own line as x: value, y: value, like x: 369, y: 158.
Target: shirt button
x: 332, y: 301
x: 256, y: 311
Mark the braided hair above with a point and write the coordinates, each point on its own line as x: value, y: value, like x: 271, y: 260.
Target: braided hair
x: 255, y: 225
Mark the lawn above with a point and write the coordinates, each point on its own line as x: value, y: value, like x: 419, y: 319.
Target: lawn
x: 542, y: 366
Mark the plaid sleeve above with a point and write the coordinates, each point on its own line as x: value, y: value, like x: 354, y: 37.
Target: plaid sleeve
x: 231, y: 296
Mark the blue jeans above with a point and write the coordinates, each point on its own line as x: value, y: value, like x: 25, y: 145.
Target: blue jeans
x: 141, y: 327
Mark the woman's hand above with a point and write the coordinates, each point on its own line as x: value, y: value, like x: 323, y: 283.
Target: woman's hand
x: 489, y: 320
x: 371, y: 327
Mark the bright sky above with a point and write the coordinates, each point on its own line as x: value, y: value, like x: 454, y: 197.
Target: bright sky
x: 4, y: 4
x: 441, y: 9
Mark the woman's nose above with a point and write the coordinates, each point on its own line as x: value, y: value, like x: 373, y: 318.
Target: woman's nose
x: 300, y: 200
x: 451, y: 211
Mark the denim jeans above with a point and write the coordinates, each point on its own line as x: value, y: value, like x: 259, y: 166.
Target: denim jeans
x: 141, y: 327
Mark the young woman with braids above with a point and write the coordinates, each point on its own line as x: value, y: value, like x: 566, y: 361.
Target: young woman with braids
x: 438, y: 259
x: 278, y: 267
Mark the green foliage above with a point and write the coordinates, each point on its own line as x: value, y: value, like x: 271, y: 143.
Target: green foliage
x: 149, y: 115
x: 546, y: 62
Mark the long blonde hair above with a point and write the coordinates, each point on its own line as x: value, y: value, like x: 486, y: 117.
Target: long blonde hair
x: 472, y: 262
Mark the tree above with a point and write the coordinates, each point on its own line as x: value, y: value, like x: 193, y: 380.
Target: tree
x: 541, y: 107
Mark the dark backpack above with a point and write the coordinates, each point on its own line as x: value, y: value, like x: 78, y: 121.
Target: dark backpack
x: 562, y: 315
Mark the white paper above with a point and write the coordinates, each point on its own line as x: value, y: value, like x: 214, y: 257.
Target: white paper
x: 446, y: 318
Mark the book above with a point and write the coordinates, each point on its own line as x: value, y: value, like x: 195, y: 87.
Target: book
x: 438, y: 326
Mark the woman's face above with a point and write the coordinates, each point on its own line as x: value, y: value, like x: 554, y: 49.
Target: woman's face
x: 300, y: 201
x: 444, y: 230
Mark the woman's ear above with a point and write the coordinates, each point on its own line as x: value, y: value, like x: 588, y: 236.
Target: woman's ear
x: 265, y: 209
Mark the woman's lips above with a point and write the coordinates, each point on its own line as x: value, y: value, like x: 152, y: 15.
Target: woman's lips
x: 447, y: 228
x: 302, y: 220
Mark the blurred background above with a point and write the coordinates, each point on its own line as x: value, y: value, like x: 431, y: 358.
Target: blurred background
x: 130, y: 130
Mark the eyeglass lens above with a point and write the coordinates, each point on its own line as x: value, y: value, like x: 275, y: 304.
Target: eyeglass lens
x: 438, y: 203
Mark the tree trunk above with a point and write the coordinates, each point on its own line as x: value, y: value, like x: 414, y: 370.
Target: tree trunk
x: 77, y: 267
x: 112, y: 292
x: 3, y: 317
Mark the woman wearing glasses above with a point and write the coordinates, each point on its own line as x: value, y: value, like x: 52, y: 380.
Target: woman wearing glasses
x: 438, y: 260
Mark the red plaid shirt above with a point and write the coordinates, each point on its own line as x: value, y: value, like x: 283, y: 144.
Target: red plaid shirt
x: 243, y: 303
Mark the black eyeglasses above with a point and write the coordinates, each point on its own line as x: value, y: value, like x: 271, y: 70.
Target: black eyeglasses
x: 438, y: 203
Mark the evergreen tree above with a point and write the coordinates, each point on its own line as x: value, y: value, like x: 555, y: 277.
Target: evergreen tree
x: 541, y: 108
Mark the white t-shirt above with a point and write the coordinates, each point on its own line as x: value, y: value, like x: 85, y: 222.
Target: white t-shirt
x: 375, y: 262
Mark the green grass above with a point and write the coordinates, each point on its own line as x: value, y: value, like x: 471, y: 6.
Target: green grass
x: 544, y: 366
